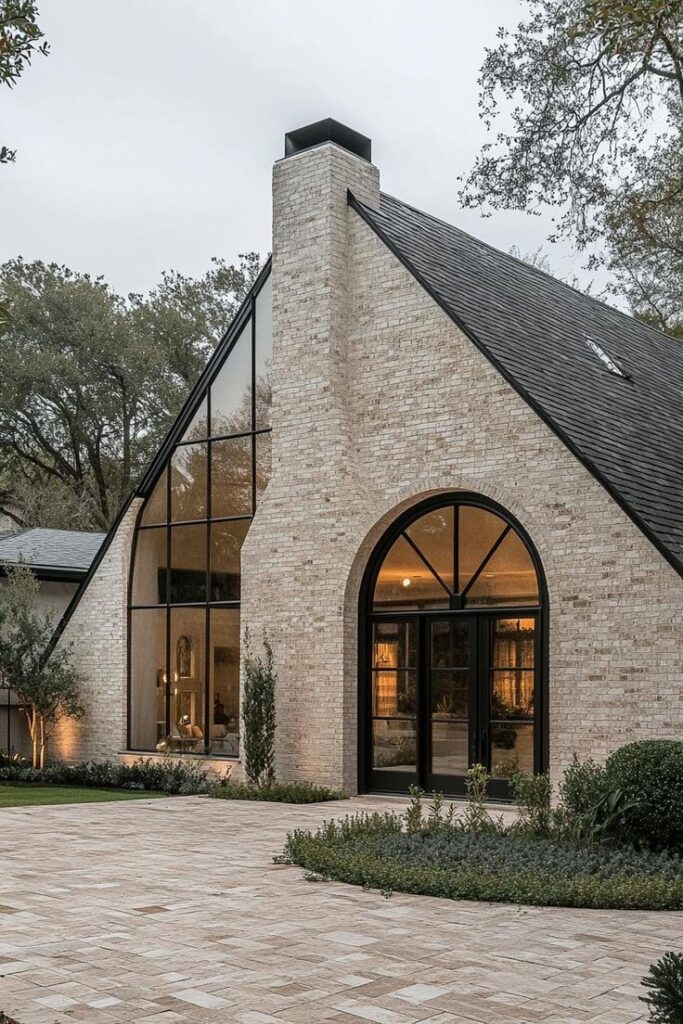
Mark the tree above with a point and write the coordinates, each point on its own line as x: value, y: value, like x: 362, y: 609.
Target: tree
x: 20, y: 39
x: 48, y: 690
x: 593, y: 93
x: 93, y: 381
x: 258, y: 714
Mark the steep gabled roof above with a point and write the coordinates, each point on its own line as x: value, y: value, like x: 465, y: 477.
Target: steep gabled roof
x: 627, y: 430
x: 51, y: 554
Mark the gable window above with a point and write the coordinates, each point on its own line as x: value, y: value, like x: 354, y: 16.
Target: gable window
x: 184, y: 611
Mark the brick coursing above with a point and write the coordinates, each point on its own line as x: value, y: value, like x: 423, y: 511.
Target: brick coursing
x: 379, y: 401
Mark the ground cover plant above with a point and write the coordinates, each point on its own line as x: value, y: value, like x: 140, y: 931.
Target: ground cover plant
x: 586, y: 852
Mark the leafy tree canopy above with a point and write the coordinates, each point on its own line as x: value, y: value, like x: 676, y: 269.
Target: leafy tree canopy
x: 92, y: 382
x: 20, y: 39
x: 587, y: 97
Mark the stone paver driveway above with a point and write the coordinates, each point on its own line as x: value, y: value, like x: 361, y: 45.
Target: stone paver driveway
x: 172, y: 911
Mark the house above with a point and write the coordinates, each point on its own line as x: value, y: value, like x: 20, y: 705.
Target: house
x: 59, y: 559
x: 448, y: 486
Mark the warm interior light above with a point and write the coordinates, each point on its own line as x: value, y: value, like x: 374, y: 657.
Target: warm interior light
x: 386, y: 683
x: 406, y: 582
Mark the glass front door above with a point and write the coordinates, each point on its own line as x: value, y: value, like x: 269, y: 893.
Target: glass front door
x: 450, y: 690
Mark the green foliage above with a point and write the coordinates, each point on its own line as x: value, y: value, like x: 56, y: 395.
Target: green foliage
x: 92, y: 382
x: 664, y: 982
x: 413, y: 818
x: 532, y: 794
x: 48, y: 689
x: 375, y: 851
x: 258, y: 714
x: 649, y: 774
x: 593, y: 94
x: 156, y: 775
x: 20, y: 40
x: 475, y: 817
x: 278, y: 792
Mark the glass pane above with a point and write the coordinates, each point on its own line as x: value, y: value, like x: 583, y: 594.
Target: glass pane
x: 224, y: 681
x: 450, y: 644
x: 450, y: 693
x: 514, y: 643
x: 198, y: 429
x: 188, y: 564
x: 513, y: 694
x: 155, y: 510
x: 394, y: 744
x: 149, y: 573
x: 512, y: 746
x: 147, y: 678
x: 433, y: 535
x: 188, y: 648
x: 188, y: 482
x: 509, y: 577
x: 226, y: 545
x: 231, y: 477
x: 394, y: 645
x: 394, y: 692
x: 231, y: 390
x: 405, y: 581
x: 264, y: 353
x: 478, y: 531
x: 450, y: 746
x: 263, y: 463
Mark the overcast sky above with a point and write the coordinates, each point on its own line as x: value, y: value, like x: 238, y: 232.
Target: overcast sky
x: 145, y: 140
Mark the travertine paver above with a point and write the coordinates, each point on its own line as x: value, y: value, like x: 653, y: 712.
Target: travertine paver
x: 172, y: 911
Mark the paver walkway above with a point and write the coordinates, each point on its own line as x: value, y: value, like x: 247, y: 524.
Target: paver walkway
x: 172, y: 911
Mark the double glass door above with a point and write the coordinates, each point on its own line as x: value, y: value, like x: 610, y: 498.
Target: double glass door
x: 448, y: 691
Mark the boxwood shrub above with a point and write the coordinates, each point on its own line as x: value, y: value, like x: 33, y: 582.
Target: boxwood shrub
x: 163, y: 776
x: 374, y: 851
x: 279, y: 792
x: 650, y: 775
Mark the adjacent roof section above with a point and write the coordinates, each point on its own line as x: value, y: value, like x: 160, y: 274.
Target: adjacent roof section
x: 52, y: 554
x: 609, y: 386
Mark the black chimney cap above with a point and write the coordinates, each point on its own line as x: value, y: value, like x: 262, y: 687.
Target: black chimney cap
x: 328, y: 130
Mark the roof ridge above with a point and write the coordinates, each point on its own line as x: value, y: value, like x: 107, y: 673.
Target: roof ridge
x: 529, y: 266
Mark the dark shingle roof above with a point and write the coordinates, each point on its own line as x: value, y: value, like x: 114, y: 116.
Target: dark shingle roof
x: 63, y: 551
x: 628, y: 432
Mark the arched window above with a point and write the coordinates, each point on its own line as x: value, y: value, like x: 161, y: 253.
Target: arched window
x: 452, y: 614
x: 184, y: 596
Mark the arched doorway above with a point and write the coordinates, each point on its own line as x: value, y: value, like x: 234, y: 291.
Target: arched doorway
x: 452, y: 650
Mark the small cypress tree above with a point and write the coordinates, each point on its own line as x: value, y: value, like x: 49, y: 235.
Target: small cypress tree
x: 258, y: 713
x: 664, y: 982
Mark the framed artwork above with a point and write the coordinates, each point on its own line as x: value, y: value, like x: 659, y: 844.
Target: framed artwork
x: 184, y: 657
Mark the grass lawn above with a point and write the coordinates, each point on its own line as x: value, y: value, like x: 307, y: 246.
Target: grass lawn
x: 18, y: 794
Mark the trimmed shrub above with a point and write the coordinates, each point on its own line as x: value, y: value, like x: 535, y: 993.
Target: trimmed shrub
x: 664, y: 982
x: 279, y: 792
x: 650, y: 776
x: 162, y: 776
x: 374, y: 851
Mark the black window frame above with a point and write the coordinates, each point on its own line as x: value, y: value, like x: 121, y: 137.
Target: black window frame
x: 177, y: 440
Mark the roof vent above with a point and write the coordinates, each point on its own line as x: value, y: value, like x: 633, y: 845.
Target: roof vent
x: 605, y: 359
x: 328, y: 130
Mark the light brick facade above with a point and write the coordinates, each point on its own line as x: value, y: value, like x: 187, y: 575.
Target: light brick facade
x: 379, y: 401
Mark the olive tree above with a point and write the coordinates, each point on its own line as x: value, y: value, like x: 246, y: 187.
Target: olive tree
x: 47, y: 686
